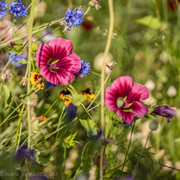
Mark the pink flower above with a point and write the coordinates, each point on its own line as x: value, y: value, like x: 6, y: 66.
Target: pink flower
x: 57, y: 62
x: 124, y: 97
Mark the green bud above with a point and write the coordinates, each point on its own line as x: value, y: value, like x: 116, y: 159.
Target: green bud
x: 34, y: 47
x: 17, y: 48
x: 153, y: 125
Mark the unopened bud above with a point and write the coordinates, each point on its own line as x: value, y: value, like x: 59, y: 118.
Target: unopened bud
x: 34, y: 47
x: 153, y: 125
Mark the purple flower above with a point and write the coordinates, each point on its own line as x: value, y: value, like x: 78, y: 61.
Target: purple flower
x: 18, y: 9
x: 24, y: 153
x: 164, y: 111
x: 3, y: 9
x: 71, y: 111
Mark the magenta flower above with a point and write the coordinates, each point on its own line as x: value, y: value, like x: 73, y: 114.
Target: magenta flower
x: 57, y: 62
x: 124, y: 97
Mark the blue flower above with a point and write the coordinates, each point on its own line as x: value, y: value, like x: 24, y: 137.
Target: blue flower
x: 17, y: 58
x: 3, y: 9
x: 24, y: 153
x: 18, y: 9
x: 85, y: 68
x: 74, y: 17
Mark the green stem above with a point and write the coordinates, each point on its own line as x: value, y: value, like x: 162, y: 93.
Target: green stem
x: 88, y: 9
x: 89, y: 115
x: 51, y: 107
x: 59, y: 122
x: 11, y: 114
x: 18, y: 135
x: 29, y: 72
x: 124, y: 163
x: 111, y: 24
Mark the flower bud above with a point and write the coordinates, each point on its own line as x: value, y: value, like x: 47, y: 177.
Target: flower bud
x: 17, y: 48
x: 153, y: 125
x: 34, y: 47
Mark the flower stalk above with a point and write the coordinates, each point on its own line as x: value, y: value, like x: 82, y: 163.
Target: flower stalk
x: 29, y: 72
x: 111, y: 24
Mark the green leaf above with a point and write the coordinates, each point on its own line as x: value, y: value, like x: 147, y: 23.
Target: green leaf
x: 8, y: 95
x: 43, y: 157
x: 69, y: 141
x: 150, y: 21
x: 22, y: 61
x: 89, y: 126
x: 77, y: 99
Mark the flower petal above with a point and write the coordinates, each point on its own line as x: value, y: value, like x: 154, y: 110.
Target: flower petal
x: 111, y: 98
x: 123, y: 85
x: 138, y: 92
x: 72, y: 63
x: 64, y: 77
x: 61, y: 48
x: 50, y: 76
x: 139, y: 108
x: 127, y: 117
x: 43, y: 55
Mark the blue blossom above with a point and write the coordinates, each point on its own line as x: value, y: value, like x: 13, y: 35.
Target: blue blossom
x: 24, y: 153
x: 74, y: 17
x: 3, y: 9
x: 85, y: 68
x: 17, y: 58
x: 18, y: 9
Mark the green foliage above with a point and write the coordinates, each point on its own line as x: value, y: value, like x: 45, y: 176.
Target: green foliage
x: 89, y: 126
x: 150, y: 21
x: 8, y: 96
x: 69, y: 141
x: 43, y: 157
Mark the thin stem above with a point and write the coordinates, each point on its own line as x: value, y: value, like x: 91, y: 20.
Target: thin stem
x: 88, y: 9
x: 89, y: 115
x: 11, y: 114
x: 17, y: 140
x: 59, y: 122
x: 51, y: 107
x: 124, y: 163
x: 97, y: 94
x: 29, y: 72
x: 111, y: 24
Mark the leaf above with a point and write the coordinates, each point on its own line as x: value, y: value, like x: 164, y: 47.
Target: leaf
x: 89, y: 126
x: 77, y: 99
x: 69, y: 141
x: 22, y: 61
x: 8, y: 95
x: 43, y: 157
x: 150, y: 21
